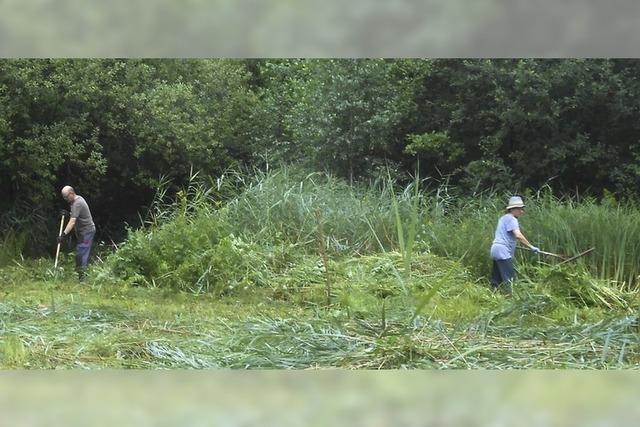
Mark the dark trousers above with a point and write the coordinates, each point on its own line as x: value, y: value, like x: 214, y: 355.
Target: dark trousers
x: 504, y: 273
x: 83, y: 250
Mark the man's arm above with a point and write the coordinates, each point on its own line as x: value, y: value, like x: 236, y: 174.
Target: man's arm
x: 522, y: 239
x: 70, y: 225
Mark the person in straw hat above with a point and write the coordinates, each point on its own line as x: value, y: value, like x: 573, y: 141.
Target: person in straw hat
x: 503, y: 248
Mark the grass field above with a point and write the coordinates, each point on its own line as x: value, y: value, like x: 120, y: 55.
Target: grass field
x: 308, y: 273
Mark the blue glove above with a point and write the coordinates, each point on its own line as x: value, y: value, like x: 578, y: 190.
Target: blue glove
x: 535, y: 249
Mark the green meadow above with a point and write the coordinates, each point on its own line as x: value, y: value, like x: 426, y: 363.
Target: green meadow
x: 289, y: 270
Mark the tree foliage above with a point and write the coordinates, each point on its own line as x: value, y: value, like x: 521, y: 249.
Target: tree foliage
x: 114, y: 128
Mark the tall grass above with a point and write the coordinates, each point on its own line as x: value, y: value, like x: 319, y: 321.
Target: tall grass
x: 278, y: 211
x: 464, y: 229
x: 560, y: 225
x: 25, y: 231
x: 613, y: 228
x: 282, y: 206
x: 12, y: 245
x: 406, y: 243
x: 186, y: 245
x: 366, y: 219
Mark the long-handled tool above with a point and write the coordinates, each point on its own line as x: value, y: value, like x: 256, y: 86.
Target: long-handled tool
x: 577, y: 256
x: 55, y: 264
x: 564, y: 258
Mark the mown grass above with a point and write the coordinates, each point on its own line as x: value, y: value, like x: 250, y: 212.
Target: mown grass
x: 53, y: 322
x: 58, y: 322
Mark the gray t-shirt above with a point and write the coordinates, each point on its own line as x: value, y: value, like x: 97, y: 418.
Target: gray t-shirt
x: 80, y: 211
x: 504, y: 242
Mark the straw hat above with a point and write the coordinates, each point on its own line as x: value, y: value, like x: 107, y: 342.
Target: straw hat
x: 515, y: 202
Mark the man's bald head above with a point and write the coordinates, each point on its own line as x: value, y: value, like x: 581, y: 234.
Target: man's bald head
x: 68, y: 193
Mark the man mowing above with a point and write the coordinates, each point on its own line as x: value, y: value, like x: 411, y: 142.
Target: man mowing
x: 82, y: 221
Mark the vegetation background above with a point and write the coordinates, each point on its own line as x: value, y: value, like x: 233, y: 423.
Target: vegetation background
x: 116, y: 128
x: 303, y: 213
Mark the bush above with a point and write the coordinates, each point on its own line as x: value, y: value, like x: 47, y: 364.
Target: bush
x: 195, y: 252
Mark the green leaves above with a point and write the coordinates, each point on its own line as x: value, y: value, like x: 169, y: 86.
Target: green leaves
x: 340, y: 113
x: 436, y: 146
x: 111, y: 127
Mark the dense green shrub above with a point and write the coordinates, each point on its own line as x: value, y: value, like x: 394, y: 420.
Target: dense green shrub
x: 195, y: 252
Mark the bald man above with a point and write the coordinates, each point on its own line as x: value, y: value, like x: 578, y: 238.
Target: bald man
x: 82, y: 221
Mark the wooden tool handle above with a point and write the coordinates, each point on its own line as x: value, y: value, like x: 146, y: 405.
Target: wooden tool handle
x: 55, y: 264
